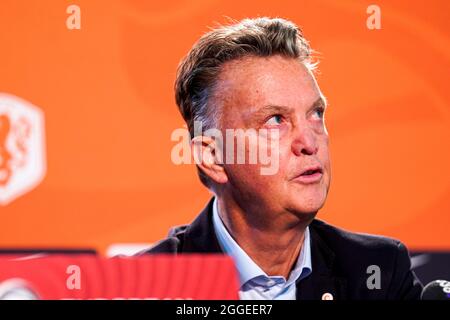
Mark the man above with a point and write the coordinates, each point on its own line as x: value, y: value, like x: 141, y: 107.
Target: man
x: 258, y: 75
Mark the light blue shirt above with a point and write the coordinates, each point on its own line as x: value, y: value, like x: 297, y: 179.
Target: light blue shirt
x: 255, y: 284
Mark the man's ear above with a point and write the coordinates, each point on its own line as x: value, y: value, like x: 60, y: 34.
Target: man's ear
x: 208, y: 157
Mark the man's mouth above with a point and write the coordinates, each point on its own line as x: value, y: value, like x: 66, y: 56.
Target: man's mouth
x: 311, y: 171
x: 310, y: 175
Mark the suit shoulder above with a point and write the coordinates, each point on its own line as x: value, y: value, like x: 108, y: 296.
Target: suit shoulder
x: 366, y: 247
x: 357, y: 255
x: 171, y: 244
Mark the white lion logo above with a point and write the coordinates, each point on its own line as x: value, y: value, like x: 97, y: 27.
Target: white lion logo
x: 22, y: 147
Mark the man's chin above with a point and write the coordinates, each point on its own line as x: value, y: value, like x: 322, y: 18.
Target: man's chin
x: 307, y: 198
x: 304, y: 213
x: 307, y: 207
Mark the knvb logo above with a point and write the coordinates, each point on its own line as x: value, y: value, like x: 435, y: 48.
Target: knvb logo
x: 22, y: 147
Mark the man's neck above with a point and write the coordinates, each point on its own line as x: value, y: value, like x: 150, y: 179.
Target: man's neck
x: 274, y: 244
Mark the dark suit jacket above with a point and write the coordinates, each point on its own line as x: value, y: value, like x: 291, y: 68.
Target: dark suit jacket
x: 339, y: 260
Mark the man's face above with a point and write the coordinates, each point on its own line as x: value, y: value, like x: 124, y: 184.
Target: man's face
x: 276, y: 93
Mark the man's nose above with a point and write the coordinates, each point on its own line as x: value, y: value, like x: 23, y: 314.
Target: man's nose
x: 304, y: 142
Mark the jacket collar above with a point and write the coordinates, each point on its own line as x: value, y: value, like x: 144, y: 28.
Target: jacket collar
x: 200, y: 237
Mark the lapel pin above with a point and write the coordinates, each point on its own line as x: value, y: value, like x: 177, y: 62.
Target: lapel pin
x: 327, y: 296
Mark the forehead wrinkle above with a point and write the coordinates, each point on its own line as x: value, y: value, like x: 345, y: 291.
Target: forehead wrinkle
x: 232, y: 91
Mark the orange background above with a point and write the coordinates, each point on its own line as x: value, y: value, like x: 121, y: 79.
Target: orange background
x: 106, y: 92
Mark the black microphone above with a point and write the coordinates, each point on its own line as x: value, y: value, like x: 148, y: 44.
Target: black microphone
x: 436, y: 290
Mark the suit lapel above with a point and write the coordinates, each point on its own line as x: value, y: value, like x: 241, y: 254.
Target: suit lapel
x: 322, y: 280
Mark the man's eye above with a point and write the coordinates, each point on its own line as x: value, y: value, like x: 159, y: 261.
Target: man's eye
x: 318, y: 113
x: 275, y: 120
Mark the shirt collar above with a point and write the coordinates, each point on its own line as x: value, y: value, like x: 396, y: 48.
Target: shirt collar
x: 246, y: 267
